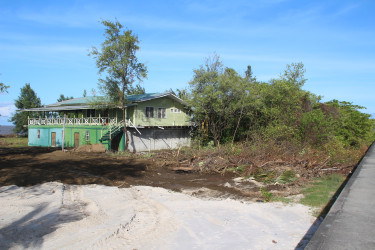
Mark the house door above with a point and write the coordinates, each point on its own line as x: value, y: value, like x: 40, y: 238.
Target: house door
x: 76, y: 140
x: 53, y: 135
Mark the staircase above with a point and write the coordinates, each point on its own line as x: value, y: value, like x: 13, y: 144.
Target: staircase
x: 111, y: 131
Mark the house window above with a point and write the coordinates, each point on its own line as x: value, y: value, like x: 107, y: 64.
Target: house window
x: 161, y: 113
x: 38, y: 134
x: 87, y: 135
x: 173, y: 110
x: 150, y: 112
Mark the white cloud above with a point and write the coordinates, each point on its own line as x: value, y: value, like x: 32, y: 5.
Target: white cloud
x: 7, y: 109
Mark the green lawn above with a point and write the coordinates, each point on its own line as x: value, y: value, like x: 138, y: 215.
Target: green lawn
x: 13, y: 141
x: 319, y: 192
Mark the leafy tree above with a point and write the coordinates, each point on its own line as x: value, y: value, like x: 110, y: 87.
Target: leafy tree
x: 282, y: 104
x: 27, y: 99
x: 217, y: 95
x: 183, y: 94
x: 294, y: 74
x: 227, y: 106
x: 352, y: 126
x: 137, y: 90
x: 64, y: 98
x: 84, y: 93
x: 118, y: 59
x: 180, y: 93
x: 249, y: 75
x: 316, y: 128
x: 205, y: 99
x: 246, y: 102
x: 3, y: 87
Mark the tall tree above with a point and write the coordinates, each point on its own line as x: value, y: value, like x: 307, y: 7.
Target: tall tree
x: 27, y: 99
x: 137, y: 90
x: 283, y: 102
x: 64, y: 98
x: 217, y: 97
x: 352, y: 126
x: 182, y: 94
x: 118, y: 59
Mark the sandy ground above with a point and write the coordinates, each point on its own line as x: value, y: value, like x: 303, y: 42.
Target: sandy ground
x: 61, y: 216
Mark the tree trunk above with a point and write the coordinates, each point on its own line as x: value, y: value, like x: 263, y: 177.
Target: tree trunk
x: 125, y: 130
x: 124, y: 119
x: 216, y: 141
x: 238, y: 123
x: 123, y: 89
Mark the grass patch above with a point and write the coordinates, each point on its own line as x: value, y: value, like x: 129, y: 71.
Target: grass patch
x: 13, y: 142
x: 286, y: 177
x: 319, y: 192
x: 265, y: 194
x: 281, y: 199
x: 265, y: 176
x: 240, y: 169
x: 145, y: 155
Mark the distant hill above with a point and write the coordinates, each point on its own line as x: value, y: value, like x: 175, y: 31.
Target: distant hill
x: 6, y: 130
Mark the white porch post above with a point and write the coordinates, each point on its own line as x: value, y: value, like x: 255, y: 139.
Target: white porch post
x: 63, y: 134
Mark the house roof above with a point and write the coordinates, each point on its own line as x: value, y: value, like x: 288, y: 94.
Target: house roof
x: 88, y: 102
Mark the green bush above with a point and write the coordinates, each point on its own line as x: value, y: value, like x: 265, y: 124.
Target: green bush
x: 265, y: 194
x: 315, y: 129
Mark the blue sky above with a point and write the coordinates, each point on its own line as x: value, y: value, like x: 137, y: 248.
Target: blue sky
x: 46, y: 43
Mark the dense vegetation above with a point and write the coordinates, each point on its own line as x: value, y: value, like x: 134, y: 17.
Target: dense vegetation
x: 278, y: 118
x: 27, y: 99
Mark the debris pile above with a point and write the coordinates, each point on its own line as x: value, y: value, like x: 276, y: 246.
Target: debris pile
x: 262, y: 168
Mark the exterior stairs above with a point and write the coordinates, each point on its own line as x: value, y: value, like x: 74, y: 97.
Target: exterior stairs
x: 111, y: 131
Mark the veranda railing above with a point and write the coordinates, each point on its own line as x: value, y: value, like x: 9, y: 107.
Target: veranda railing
x: 73, y: 121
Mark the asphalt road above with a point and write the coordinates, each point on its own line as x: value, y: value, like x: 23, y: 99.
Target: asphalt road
x: 350, y: 224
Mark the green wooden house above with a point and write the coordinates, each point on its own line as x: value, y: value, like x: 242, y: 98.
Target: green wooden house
x: 154, y: 121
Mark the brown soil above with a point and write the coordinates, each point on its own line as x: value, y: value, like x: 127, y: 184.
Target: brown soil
x: 27, y: 166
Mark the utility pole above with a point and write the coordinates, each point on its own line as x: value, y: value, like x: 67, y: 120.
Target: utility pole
x: 63, y: 134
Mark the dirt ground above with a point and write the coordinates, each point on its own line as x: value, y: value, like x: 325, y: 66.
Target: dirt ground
x: 28, y: 166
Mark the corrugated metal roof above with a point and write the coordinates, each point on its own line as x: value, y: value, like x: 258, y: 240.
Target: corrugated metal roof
x: 145, y: 97
x: 104, y: 99
x: 59, y: 108
x: 80, y: 100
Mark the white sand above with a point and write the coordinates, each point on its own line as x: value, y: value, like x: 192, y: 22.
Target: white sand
x: 58, y: 216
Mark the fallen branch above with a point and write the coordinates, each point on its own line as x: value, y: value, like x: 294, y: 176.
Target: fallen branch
x: 185, y: 169
x: 330, y: 169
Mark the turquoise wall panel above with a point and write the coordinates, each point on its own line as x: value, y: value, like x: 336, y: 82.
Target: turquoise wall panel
x: 45, y: 136
x: 58, y: 132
